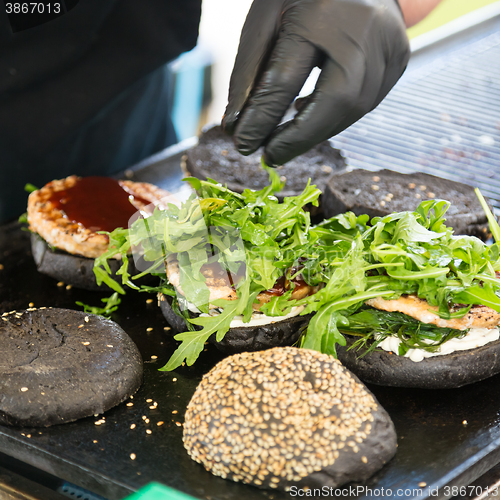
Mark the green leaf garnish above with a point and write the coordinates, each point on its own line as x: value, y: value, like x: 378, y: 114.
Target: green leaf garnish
x: 111, y: 305
x: 255, y: 239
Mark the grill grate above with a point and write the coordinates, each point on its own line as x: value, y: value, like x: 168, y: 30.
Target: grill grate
x: 442, y: 118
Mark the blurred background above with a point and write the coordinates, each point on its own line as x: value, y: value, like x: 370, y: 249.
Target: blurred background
x: 205, y: 71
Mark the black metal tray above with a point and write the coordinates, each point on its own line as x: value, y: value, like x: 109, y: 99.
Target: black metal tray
x: 446, y: 438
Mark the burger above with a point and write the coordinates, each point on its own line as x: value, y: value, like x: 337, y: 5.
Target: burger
x: 349, y: 287
x: 67, y: 218
x: 419, y: 305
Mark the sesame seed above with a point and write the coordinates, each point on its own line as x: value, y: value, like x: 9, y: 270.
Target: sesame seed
x: 422, y: 484
x: 178, y: 424
x: 412, y: 185
x: 160, y: 423
x: 86, y: 319
x: 326, y: 169
x: 149, y: 301
x: 174, y: 412
x: 465, y: 422
x: 144, y: 417
x: 376, y: 178
x: 364, y: 460
x: 109, y: 345
x: 1, y: 267
x: 154, y: 357
x: 149, y: 431
x: 152, y: 407
x: 382, y: 203
x: 130, y: 404
x: 423, y: 188
x: 94, y: 441
x: 149, y: 400
x: 60, y: 283
x: 174, y: 380
x: 375, y: 187
x: 85, y: 343
x: 24, y: 389
x: 133, y: 456
x: 149, y: 329
x: 68, y: 287
x: 431, y: 194
x: 418, y: 196
x: 167, y: 328
x: 31, y: 304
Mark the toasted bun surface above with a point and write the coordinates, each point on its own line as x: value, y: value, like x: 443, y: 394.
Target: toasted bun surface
x: 385, y: 191
x: 216, y: 157
x: 285, y: 417
x: 59, y: 365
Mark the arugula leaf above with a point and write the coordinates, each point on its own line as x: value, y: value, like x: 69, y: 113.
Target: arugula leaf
x: 494, y: 227
x: 111, y: 305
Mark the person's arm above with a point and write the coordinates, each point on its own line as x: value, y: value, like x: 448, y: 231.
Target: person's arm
x: 416, y: 10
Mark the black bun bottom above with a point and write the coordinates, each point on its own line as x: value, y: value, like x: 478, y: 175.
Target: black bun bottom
x: 438, y: 372
x: 287, y: 417
x: 248, y: 338
x: 72, y: 270
x: 59, y: 365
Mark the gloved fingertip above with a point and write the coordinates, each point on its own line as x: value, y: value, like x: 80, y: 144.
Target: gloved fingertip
x: 269, y: 161
x: 229, y: 121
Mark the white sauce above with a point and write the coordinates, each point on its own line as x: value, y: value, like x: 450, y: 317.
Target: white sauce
x: 476, y: 337
x: 259, y: 319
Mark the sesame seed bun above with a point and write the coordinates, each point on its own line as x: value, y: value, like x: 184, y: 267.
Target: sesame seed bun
x: 287, y: 417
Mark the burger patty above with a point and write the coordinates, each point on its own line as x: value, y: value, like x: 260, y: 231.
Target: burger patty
x: 52, y: 224
x: 219, y: 284
x: 477, y: 317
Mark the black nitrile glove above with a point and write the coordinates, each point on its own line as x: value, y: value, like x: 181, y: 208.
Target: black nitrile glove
x: 360, y: 45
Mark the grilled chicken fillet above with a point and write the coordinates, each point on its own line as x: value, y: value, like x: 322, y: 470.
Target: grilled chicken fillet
x: 220, y: 286
x: 59, y: 231
x: 477, y: 317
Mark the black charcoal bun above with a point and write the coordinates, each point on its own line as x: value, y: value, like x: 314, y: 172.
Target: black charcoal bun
x: 383, y: 192
x: 59, y: 365
x: 73, y: 270
x: 438, y: 372
x: 287, y: 417
x: 216, y: 157
x: 248, y: 338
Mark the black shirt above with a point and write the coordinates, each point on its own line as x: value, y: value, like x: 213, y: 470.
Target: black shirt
x: 87, y: 93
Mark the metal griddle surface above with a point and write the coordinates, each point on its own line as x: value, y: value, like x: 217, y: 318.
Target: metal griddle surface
x: 436, y: 446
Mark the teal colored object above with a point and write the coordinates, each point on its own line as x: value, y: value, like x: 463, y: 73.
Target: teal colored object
x: 157, y: 491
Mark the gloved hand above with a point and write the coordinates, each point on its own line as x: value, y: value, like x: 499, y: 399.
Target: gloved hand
x: 360, y: 45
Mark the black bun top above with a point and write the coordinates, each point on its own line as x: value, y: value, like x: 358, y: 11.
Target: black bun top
x: 216, y: 157
x: 59, y: 365
x: 286, y: 416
